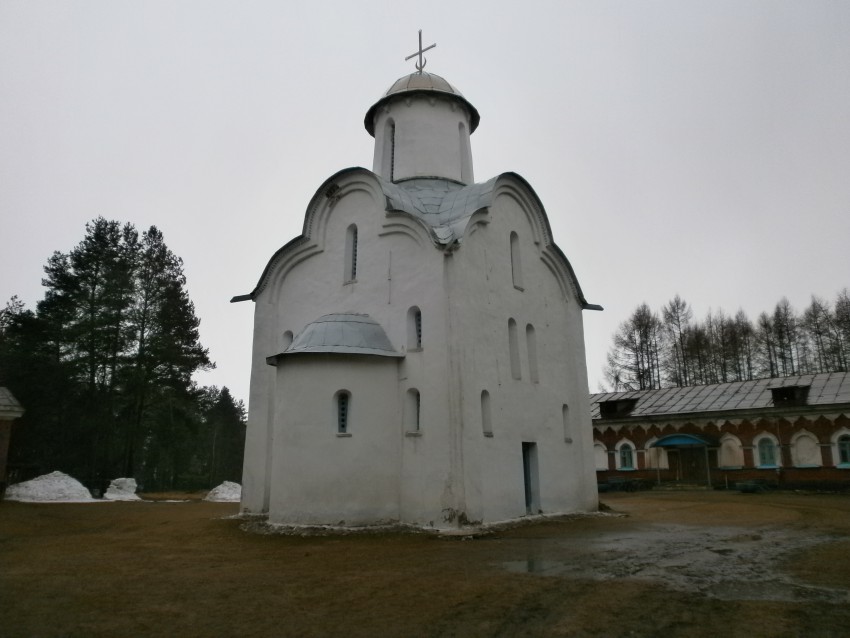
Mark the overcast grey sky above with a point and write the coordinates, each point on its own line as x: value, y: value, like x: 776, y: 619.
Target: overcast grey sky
x: 699, y: 148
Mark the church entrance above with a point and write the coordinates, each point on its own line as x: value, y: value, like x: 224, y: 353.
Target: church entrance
x: 692, y: 464
x: 687, y: 455
x: 530, y: 478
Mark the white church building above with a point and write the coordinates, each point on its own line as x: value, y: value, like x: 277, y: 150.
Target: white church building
x: 418, y: 352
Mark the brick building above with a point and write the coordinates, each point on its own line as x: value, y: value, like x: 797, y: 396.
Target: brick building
x: 793, y: 431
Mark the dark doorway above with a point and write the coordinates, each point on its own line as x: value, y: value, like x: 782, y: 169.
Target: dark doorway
x: 530, y: 478
x: 693, y: 464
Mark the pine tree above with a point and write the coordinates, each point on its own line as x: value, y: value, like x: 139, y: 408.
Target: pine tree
x: 117, y: 337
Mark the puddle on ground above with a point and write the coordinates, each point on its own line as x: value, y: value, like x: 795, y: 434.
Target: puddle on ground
x: 724, y: 563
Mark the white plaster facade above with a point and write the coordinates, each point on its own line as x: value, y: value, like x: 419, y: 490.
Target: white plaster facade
x: 472, y: 258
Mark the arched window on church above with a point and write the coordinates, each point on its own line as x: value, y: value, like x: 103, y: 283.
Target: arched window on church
x: 531, y: 345
x: 513, y: 343
x: 414, y: 329
x: 343, y: 412
x: 413, y: 411
x: 351, y: 254
x: 486, y: 415
x: 516, y: 262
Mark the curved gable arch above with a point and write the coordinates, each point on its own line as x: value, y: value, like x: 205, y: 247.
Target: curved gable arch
x: 519, y: 190
x: 478, y: 220
x: 349, y: 180
x: 402, y: 223
x: 312, y: 239
x: 509, y: 190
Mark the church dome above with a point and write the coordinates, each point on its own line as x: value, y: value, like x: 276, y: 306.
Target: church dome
x: 421, y: 82
x: 344, y: 333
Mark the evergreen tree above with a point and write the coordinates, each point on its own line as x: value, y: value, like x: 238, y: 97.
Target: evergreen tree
x: 105, y: 364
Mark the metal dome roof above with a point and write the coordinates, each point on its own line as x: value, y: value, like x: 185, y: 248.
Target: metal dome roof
x: 343, y: 333
x: 421, y: 82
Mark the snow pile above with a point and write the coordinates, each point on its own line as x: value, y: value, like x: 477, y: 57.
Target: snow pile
x: 55, y: 487
x: 122, y: 489
x: 227, y: 492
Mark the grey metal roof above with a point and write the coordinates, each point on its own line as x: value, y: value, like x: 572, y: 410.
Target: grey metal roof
x: 421, y: 82
x: 9, y: 406
x: 443, y: 205
x: 343, y: 333
x: 824, y: 389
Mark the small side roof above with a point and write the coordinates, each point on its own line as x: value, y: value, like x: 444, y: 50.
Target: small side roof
x: 343, y: 333
x: 9, y: 406
x: 682, y: 440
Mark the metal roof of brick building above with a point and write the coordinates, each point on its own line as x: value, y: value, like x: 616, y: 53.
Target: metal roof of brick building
x: 823, y: 389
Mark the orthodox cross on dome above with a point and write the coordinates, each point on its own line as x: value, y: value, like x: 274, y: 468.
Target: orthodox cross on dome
x: 422, y: 61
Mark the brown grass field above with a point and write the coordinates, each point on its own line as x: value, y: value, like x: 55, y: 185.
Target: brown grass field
x: 675, y: 564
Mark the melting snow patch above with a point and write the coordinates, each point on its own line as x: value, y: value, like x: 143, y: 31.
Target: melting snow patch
x: 55, y: 487
x: 227, y: 492
x: 122, y: 489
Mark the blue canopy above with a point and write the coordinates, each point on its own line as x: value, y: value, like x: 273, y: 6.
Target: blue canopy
x: 679, y: 440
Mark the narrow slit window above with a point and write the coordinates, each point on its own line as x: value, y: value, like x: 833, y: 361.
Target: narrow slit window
x: 389, y: 150
x: 486, y: 415
x: 516, y: 262
x: 531, y: 344
x: 513, y: 343
x: 392, y: 151
x: 465, y: 155
x: 351, y: 254
x: 343, y: 411
x: 414, y: 328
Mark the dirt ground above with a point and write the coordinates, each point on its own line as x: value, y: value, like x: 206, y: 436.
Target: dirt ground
x: 673, y: 564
